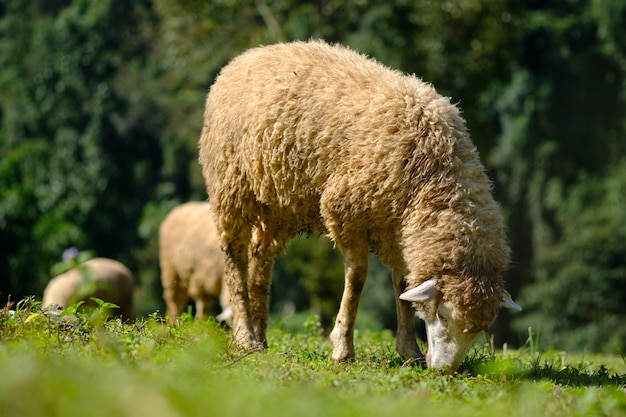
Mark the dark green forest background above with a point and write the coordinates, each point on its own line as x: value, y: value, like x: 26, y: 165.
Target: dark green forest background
x: 101, y: 107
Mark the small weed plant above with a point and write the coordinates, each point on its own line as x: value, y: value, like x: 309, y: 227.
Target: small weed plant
x: 80, y: 363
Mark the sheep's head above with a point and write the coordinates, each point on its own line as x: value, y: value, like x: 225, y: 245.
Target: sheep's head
x: 450, y: 330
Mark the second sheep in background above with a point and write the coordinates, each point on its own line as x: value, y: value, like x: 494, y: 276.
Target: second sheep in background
x: 192, y: 263
x: 102, y: 278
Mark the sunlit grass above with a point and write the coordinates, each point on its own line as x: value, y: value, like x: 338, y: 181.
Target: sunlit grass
x: 147, y: 368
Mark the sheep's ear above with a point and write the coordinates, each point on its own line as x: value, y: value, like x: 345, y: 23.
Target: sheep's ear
x: 508, y: 302
x: 426, y: 291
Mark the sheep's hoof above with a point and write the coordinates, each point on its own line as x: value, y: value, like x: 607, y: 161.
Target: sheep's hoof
x: 343, y: 354
x: 409, y: 352
x: 244, y: 338
x: 343, y: 347
x: 256, y: 347
x: 343, y: 360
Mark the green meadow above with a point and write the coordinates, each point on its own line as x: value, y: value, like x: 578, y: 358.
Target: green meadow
x: 80, y: 364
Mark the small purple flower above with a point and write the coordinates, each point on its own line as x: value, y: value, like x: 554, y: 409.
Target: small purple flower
x: 69, y: 253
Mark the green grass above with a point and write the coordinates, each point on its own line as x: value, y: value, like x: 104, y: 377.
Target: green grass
x: 97, y: 368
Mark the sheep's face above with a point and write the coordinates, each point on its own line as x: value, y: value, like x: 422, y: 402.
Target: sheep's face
x: 448, y: 337
x: 449, y: 334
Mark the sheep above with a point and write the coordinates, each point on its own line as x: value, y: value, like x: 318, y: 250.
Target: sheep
x: 192, y: 263
x: 112, y: 282
x: 312, y: 137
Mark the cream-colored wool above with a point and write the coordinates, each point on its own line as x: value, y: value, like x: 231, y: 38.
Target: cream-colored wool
x: 113, y: 282
x: 306, y: 136
x: 192, y: 263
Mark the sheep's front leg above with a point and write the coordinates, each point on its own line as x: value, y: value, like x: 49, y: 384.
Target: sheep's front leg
x: 342, y: 336
x: 406, y: 344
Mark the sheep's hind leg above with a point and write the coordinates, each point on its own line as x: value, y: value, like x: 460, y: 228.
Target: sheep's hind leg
x: 405, y: 335
x: 236, y: 277
x: 342, y: 336
x: 263, y: 248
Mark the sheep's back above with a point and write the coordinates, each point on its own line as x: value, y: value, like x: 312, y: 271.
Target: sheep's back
x: 281, y: 120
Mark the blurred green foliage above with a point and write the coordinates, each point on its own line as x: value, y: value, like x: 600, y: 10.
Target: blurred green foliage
x: 578, y: 298
x: 101, y: 106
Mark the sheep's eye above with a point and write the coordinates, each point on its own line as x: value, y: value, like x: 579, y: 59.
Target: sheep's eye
x: 442, y: 318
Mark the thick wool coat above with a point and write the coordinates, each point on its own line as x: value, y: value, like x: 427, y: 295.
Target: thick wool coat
x: 307, y: 136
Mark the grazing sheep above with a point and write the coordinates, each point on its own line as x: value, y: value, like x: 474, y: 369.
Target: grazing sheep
x: 305, y: 136
x: 192, y: 263
x: 112, y: 282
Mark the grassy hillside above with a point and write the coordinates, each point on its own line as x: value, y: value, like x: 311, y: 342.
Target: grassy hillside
x: 86, y: 366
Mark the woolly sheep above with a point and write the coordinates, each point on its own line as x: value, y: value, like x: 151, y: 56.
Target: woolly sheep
x: 113, y: 282
x: 306, y: 136
x: 192, y: 263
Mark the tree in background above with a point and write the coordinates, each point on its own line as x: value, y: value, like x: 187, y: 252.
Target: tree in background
x: 78, y: 156
x: 578, y: 298
x: 562, y: 118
